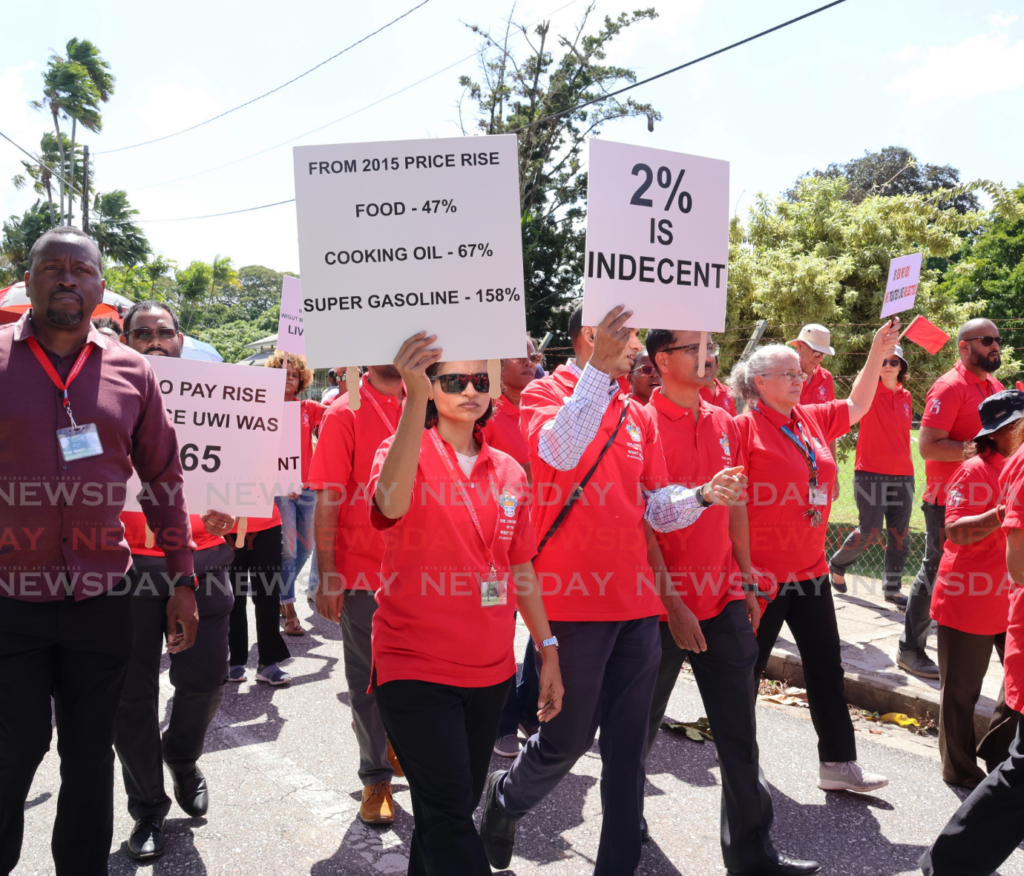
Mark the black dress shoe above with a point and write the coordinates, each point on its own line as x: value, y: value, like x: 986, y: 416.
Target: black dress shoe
x: 497, y: 830
x: 645, y: 834
x: 780, y: 865
x: 896, y: 599
x: 839, y: 587
x: 147, y: 839
x: 190, y: 791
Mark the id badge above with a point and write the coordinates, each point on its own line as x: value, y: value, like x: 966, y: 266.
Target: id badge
x: 79, y: 443
x: 492, y: 591
x: 818, y: 496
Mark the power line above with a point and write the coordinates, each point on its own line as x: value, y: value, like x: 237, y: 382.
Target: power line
x: 214, y: 215
x: 749, y: 39
x: 272, y: 91
x: 42, y: 163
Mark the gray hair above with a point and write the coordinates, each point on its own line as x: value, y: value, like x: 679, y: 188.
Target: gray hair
x: 762, y: 362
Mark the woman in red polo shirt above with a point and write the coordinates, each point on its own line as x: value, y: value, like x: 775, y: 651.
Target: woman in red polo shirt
x: 784, y: 451
x: 883, y: 481
x: 457, y: 532
x: 971, y: 599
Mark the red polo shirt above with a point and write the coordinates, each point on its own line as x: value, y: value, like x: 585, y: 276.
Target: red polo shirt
x: 720, y: 396
x: 595, y: 567
x: 1011, y: 482
x: 952, y: 406
x: 883, y: 442
x: 135, y: 534
x: 310, y: 415
x: 818, y: 388
x: 699, y: 557
x: 782, y: 540
x: 429, y: 624
x: 972, y: 590
x: 341, y: 465
x: 503, y: 433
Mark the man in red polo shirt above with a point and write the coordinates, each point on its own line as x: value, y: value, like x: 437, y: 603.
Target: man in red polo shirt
x: 716, y: 392
x: 594, y: 572
x: 812, y: 345
x: 349, y: 555
x: 79, y: 413
x: 644, y: 378
x: 708, y: 564
x: 949, y: 423
x: 198, y: 674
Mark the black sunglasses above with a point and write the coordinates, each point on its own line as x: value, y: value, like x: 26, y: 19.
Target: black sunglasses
x: 645, y: 370
x: 986, y: 340
x: 458, y: 382
x: 145, y: 334
x: 892, y: 363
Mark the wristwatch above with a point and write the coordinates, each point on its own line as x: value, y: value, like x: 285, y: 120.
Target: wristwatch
x: 188, y: 581
x: 552, y: 641
x: 700, y: 497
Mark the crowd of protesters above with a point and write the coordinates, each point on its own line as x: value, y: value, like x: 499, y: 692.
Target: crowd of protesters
x: 622, y: 505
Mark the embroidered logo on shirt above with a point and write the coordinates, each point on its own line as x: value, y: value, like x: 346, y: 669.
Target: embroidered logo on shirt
x: 954, y: 497
x: 821, y: 392
x: 724, y: 441
x: 817, y: 443
x: 935, y: 406
x: 906, y: 408
x: 508, y: 503
x: 634, y: 432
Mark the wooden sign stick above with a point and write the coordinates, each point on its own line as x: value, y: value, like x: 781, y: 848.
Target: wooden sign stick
x: 702, y: 353
x: 494, y: 373
x: 243, y: 524
x: 150, y: 538
x: 352, y: 382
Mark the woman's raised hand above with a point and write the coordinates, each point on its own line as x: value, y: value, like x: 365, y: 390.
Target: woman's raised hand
x: 888, y: 335
x: 414, y: 358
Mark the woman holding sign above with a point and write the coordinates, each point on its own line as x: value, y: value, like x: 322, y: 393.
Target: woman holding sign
x: 784, y: 451
x: 457, y: 534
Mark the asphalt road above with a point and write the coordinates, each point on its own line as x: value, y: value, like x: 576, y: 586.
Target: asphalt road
x: 285, y: 795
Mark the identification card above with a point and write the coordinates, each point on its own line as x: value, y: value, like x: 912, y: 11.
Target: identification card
x: 79, y: 442
x: 493, y: 591
x: 818, y: 496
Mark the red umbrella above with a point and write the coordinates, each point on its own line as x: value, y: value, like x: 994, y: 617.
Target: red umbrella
x: 14, y: 302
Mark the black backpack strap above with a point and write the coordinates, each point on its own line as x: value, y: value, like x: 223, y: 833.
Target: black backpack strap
x: 575, y: 494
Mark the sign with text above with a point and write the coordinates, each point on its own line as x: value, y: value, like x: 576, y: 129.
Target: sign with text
x: 290, y: 337
x: 237, y: 443
x: 901, y: 287
x: 406, y: 236
x: 657, y: 237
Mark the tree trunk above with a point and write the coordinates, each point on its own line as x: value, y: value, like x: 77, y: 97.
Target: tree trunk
x: 63, y: 160
x: 49, y: 195
x: 85, y: 189
x: 71, y: 178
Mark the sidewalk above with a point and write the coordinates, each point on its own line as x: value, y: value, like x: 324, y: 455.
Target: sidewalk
x: 870, y: 628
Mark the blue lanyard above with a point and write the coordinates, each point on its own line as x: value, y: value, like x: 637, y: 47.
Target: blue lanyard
x: 806, y: 448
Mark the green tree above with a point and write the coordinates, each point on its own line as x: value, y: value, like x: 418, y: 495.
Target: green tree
x: 230, y: 339
x: 142, y: 281
x: 41, y: 171
x: 514, y: 93
x: 20, y: 233
x: 114, y: 229
x: 258, y: 290
x: 821, y: 257
x: 895, y: 171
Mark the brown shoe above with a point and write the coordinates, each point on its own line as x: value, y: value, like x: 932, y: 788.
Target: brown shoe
x: 393, y: 760
x: 377, y: 807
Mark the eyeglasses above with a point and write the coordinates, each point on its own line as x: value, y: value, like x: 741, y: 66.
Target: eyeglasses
x: 691, y: 349
x: 986, y: 340
x: 892, y: 363
x: 145, y: 334
x: 791, y: 376
x: 645, y: 370
x: 455, y: 383
x: 535, y: 358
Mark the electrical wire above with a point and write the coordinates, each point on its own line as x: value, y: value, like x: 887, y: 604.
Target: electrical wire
x: 215, y: 215
x: 40, y: 161
x: 272, y: 91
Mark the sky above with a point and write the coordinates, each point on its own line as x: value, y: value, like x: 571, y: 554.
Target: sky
x: 941, y: 77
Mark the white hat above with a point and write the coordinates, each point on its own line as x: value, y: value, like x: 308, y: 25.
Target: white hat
x: 817, y: 337
x: 898, y: 353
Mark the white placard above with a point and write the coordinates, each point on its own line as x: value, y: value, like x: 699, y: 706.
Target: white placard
x: 238, y: 445
x: 289, y: 327
x: 901, y: 287
x: 406, y: 236
x: 657, y: 237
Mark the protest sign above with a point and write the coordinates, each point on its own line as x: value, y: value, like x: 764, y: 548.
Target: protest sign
x: 236, y: 440
x: 290, y: 337
x: 406, y: 236
x: 901, y: 287
x: 657, y: 237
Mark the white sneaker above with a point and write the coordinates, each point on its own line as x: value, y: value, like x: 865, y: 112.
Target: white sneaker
x: 848, y: 776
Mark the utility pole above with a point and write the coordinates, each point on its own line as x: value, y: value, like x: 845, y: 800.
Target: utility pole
x: 85, y: 188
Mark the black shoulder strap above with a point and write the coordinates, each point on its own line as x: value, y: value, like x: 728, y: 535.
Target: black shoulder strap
x: 575, y: 494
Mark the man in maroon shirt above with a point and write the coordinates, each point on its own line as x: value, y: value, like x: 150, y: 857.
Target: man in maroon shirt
x: 65, y: 623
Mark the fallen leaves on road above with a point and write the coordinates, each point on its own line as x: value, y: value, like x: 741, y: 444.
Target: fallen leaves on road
x: 892, y: 718
x: 697, y: 731
x: 790, y: 696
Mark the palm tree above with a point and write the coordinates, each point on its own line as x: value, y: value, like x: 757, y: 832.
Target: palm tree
x: 41, y: 171
x: 88, y: 56
x: 115, y: 231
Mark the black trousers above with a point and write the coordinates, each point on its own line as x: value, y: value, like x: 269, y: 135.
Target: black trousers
x: 257, y: 565
x: 880, y: 496
x: 919, y: 605
x: 443, y: 737
x: 76, y: 652
x: 197, y: 675
x: 725, y: 678
x: 807, y: 607
x: 609, y: 669
x: 987, y: 827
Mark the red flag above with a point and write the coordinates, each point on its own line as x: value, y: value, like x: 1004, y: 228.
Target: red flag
x: 925, y: 333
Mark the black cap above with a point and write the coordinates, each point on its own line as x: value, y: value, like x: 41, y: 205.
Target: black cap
x: 1000, y: 409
